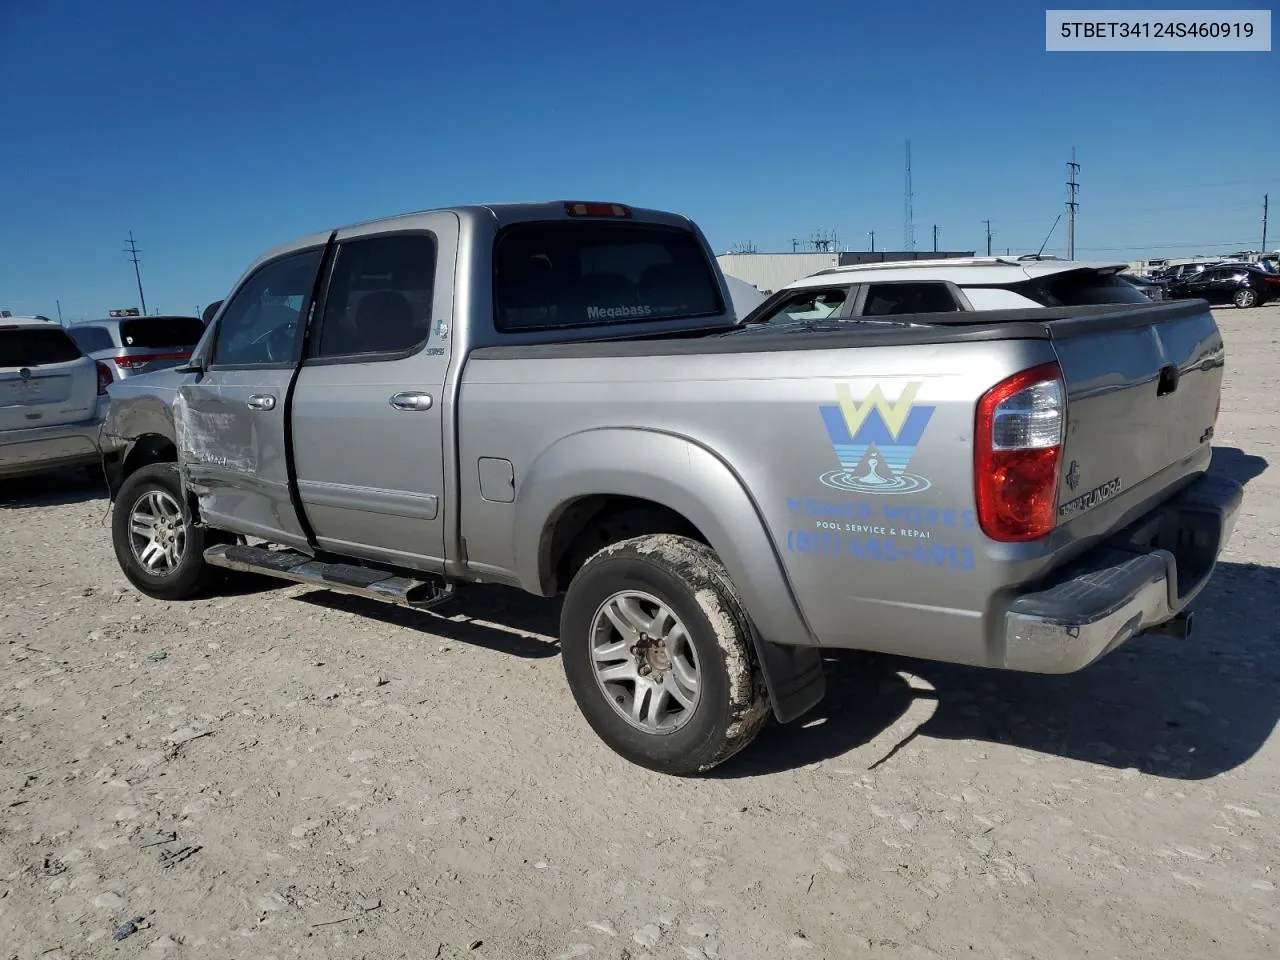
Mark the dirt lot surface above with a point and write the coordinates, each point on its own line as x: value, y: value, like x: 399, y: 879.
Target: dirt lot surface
x: 333, y: 778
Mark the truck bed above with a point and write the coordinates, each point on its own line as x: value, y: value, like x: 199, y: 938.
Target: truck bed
x: 907, y: 571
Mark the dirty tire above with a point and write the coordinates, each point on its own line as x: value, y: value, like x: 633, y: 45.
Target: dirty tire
x: 1245, y: 297
x: 688, y: 577
x: 191, y: 577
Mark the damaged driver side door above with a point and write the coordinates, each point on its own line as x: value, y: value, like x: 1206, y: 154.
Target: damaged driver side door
x: 230, y: 421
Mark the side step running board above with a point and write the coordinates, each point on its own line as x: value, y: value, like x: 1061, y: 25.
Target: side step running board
x: 343, y: 577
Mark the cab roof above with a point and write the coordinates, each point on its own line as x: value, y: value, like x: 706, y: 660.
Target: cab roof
x: 499, y: 214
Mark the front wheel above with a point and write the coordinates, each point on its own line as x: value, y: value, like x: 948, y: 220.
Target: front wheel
x: 1245, y: 297
x: 157, y: 545
x: 658, y: 653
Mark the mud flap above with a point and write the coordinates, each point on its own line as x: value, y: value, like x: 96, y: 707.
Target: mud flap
x: 793, y: 676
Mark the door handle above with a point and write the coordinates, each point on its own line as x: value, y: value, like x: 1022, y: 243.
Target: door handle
x: 411, y: 401
x: 261, y: 401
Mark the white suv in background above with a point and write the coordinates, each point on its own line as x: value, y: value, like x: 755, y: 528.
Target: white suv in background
x: 946, y: 286
x: 52, y: 399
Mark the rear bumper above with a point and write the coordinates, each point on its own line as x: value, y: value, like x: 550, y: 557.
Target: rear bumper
x: 34, y: 450
x: 1141, y: 579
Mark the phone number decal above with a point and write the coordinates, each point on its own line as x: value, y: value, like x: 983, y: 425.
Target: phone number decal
x: 880, y: 549
x: 1143, y: 30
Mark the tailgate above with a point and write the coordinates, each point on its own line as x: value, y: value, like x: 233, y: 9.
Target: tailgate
x: 1142, y: 399
x: 44, y: 379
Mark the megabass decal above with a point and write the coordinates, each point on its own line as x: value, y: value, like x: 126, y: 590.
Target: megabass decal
x: 618, y: 313
x: 1090, y: 499
x: 885, y: 534
x: 874, y: 441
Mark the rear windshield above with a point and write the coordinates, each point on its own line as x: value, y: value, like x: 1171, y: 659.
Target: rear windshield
x: 31, y: 348
x: 92, y: 339
x: 161, y: 332
x: 562, y: 274
x: 1080, y: 288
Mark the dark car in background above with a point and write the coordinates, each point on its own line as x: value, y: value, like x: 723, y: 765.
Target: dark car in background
x: 1241, y: 284
x: 133, y: 345
x: 1179, y: 272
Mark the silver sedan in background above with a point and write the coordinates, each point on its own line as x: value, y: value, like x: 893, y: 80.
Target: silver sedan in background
x: 134, y: 345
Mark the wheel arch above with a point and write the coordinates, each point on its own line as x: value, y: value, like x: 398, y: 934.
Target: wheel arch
x: 675, y: 481
x: 144, y: 427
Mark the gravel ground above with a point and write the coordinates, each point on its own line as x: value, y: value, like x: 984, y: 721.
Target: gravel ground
x: 334, y: 778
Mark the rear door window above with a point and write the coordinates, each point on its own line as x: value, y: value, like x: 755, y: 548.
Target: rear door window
x: 564, y: 274
x: 894, y: 299
x: 92, y: 339
x: 379, y: 297
x: 33, y: 348
x: 161, y: 332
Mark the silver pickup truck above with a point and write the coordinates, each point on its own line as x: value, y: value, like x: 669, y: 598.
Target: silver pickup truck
x: 558, y: 397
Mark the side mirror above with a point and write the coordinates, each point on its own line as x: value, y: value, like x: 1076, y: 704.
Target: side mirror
x: 209, y: 311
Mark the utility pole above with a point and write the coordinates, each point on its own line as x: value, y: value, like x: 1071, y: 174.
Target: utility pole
x: 133, y: 252
x: 1263, y: 251
x: 988, y: 223
x: 935, y: 238
x: 908, y: 210
x: 1072, y: 189
x: 59, y: 302
x: 872, y: 233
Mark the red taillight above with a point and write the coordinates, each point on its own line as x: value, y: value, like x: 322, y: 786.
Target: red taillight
x: 142, y: 360
x: 1018, y: 440
x: 104, y: 378
x: 596, y: 210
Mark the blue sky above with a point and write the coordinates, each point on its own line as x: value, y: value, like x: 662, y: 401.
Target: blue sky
x: 216, y: 130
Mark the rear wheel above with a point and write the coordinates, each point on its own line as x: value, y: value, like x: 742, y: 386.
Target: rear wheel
x: 157, y: 545
x: 1245, y: 297
x: 658, y: 652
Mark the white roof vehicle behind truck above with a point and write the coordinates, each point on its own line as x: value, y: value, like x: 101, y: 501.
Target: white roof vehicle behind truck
x: 558, y: 397
x: 943, y: 286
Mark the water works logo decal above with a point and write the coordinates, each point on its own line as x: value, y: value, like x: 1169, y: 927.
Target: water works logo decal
x: 874, y: 440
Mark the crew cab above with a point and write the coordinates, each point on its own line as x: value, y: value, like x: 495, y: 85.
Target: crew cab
x: 559, y: 398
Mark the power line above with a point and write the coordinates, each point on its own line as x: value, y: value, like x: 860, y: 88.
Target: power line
x: 1223, y: 183
x: 1168, y: 246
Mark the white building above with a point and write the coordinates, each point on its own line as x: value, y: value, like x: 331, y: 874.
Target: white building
x: 769, y: 272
